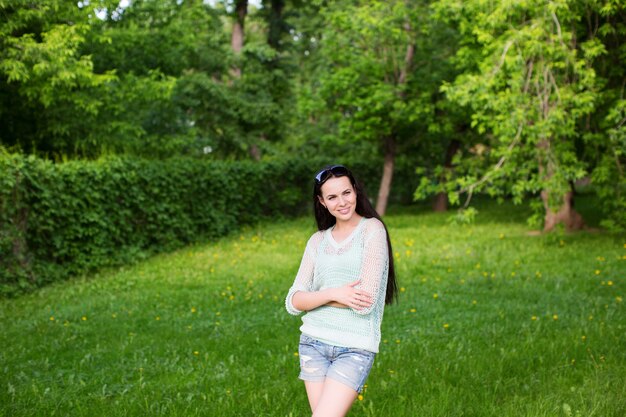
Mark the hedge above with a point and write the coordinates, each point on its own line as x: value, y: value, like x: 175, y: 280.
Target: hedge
x: 59, y: 220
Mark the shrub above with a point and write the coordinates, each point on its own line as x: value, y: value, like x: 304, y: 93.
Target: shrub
x: 58, y: 220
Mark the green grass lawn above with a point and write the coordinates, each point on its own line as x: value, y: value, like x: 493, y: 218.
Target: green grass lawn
x: 491, y: 322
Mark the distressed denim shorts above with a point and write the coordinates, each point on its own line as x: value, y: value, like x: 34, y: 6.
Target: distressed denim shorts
x: 319, y: 361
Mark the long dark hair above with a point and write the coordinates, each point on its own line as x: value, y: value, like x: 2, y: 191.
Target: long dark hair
x: 364, y: 208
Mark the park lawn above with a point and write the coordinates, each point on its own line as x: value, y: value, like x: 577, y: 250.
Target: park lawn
x: 491, y: 321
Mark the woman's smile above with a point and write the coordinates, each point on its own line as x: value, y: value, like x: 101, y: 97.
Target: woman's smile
x: 339, y: 197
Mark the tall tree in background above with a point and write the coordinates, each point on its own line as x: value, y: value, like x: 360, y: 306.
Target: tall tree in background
x: 238, y: 32
x: 50, y: 97
x: 370, y: 50
x: 528, y: 86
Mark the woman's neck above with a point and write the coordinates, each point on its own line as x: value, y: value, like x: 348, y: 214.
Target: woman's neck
x: 342, y: 226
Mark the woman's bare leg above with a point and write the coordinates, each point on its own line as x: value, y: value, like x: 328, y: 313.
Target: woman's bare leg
x: 335, y: 400
x: 314, y: 392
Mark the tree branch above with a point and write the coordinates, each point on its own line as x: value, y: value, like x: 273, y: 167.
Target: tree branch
x: 470, y: 189
x: 502, y: 57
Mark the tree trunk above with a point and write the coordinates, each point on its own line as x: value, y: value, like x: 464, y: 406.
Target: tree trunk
x: 440, y: 203
x: 566, y: 214
x: 390, y: 141
x: 275, y: 23
x: 236, y: 40
x: 385, y: 181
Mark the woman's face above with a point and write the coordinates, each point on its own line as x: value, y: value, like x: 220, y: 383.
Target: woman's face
x: 339, y: 197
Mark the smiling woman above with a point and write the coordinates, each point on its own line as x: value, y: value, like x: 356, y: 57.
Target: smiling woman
x: 345, y: 279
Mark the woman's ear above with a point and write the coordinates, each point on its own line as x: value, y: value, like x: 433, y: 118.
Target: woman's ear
x: 321, y: 200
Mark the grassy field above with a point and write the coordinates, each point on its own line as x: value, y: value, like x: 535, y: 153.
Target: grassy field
x: 491, y: 322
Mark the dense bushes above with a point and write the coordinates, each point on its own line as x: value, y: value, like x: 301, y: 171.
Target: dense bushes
x: 61, y: 219
x: 58, y: 220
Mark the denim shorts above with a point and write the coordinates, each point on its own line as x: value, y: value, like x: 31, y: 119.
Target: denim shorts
x: 319, y: 361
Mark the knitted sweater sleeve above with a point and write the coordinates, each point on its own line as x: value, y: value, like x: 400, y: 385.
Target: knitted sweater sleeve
x: 304, y: 278
x: 375, y: 264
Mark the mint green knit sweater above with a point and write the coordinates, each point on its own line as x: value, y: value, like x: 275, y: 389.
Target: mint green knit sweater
x: 327, y: 264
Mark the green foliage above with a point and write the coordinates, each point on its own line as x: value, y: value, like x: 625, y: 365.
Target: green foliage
x: 49, y: 88
x: 58, y: 220
x: 535, y: 78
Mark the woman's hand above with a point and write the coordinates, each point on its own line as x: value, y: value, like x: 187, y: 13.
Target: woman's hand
x: 352, y: 297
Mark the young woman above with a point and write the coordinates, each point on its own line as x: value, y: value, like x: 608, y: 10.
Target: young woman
x: 345, y: 279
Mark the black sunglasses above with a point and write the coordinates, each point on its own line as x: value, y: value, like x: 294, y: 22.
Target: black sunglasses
x: 337, y: 170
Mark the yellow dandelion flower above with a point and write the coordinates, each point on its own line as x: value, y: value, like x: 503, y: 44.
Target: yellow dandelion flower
x: 397, y: 340
x: 296, y: 354
x: 402, y: 289
x: 590, y: 317
x: 157, y: 318
x: 513, y: 273
x: 598, y: 272
x: 360, y: 397
x: 84, y: 318
x: 583, y: 338
x: 609, y: 283
x: 195, y: 352
x: 435, y: 296
x: 385, y: 341
x: 231, y: 298
x: 193, y: 310
x: 534, y: 318
x: 555, y: 317
x: 477, y: 266
x: 51, y: 318
x: 485, y: 274
x: 501, y: 235
x: 474, y: 302
x: 408, y: 252
x: 412, y: 310
x: 114, y: 315
x: 618, y: 299
x: 446, y: 325
x: 538, y: 274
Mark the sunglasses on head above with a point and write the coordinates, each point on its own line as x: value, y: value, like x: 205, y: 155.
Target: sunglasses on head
x: 336, y: 170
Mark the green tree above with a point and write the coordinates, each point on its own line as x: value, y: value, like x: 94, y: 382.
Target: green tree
x: 528, y: 85
x: 49, y: 93
x: 369, y: 49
